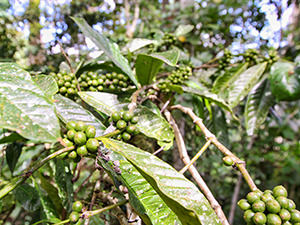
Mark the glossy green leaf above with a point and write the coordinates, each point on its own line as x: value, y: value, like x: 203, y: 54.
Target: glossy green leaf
x: 136, y: 44
x: 68, y: 110
x: 24, y: 107
x: 46, y: 203
x: 102, y: 101
x: 180, y: 194
x: 47, y: 84
x: 259, y: 101
x: 183, y: 29
x: 169, y: 57
x: 146, y: 68
x: 203, y: 92
x: 28, y: 197
x: 155, y: 126
x: 244, y: 83
x: 147, y: 203
x: 223, y: 81
x: 110, y: 49
x: 63, y: 178
x: 149, y: 123
x: 52, y: 192
x: 12, y: 153
x: 285, y: 81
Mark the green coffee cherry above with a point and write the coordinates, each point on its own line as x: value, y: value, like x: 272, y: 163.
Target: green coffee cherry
x: 127, y: 116
x: 126, y: 136
x: 252, y: 197
x: 121, y: 124
x: 258, y: 206
x: 67, y: 142
x: 130, y: 129
x: 80, y: 138
x: 279, y: 191
x: 92, y: 144
x: 72, y: 155
x: 273, y: 206
x: 248, y: 215
x: 134, y: 119
x: 244, y: 204
x: 74, y: 217
x: 283, y: 201
x: 77, y: 206
x: 115, y: 116
x: 228, y: 161
x: 288, y: 223
x: 80, y: 126
x: 295, y: 216
x: 71, y: 134
x: 266, y: 196
x: 273, y: 219
x: 90, y: 131
x: 259, y: 218
x: 285, y: 214
x: 82, y: 150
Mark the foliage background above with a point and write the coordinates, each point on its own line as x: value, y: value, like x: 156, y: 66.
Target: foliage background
x: 31, y: 31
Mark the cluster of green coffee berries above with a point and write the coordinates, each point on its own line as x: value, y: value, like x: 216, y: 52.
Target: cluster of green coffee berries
x: 272, y: 57
x: 93, y: 81
x: 225, y: 60
x: 125, y: 122
x: 81, y: 136
x: 270, y: 207
x: 169, y: 39
x: 251, y: 56
x: 67, y: 83
x: 177, y: 77
x: 76, y: 210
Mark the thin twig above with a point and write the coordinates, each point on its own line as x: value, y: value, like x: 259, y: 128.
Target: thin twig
x: 158, y: 151
x: 97, y: 185
x: 66, y: 56
x: 195, y: 157
x: 195, y: 174
x: 237, y: 162
x: 235, y: 197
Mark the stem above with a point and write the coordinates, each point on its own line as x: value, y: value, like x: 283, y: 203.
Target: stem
x: 195, y: 174
x: 195, y: 157
x: 237, y: 161
x: 235, y: 198
x: 29, y: 171
x: 88, y: 214
x: 111, y: 134
x: 62, y: 222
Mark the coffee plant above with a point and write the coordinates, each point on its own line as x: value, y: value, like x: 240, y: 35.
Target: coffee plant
x: 90, y: 145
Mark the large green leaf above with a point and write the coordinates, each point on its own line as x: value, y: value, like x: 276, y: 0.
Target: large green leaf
x: 47, y: 84
x: 46, y: 203
x: 197, y: 89
x: 24, y: 106
x: 68, y: 110
x: 180, y: 194
x: 259, y: 101
x: 110, y: 49
x: 28, y: 197
x: 147, y: 203
x: 155, y: 126
x: 169, y: 57
x: 224, y: 81
x: 244, y: 83
x: 63, y: 178
x: 149, y: 123
x: 183, y: 29
x: 146, y: 68
x: 136, y: 44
